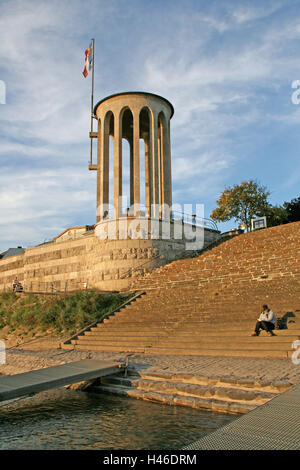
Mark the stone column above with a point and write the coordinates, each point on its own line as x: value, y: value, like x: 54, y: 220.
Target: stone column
x: 154, y: 163
x: 166, y: 190
x: 117, y: 167
x: 136, y: 163
x: 130, y: 140
x: 160, y: 165
x: 103, y: 170
x: 148, y: 175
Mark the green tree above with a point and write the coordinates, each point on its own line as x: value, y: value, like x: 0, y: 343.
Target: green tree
x: 242, y: 202
x: 276, y: 215
x: 293, y: 209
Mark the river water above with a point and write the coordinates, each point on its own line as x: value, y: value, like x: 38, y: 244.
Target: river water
x: 68, y: 419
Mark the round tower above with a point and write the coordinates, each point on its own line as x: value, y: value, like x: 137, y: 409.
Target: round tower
x: 134, y: 116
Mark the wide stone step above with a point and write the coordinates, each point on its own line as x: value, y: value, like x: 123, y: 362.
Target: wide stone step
x: 133, y: 331
x: 236, y: 334
x: 225, y: 345
x: 191, y: 338
x: 272, y: 386
x: 236, y: 305
x: 227, y: 321
x: 209, y: 404
x: 147, y: 326
x: 168, y: 307
x: 191, y: 348
x: 176, y: 312
x: 214, y: 290
x: 241, y: 306
x: 221, y: 344
x: 156, y: 322
x: 136, y: 325
x: 199, y: 328
x: 191, y: 313
x: 112, y: 348
x: 202, y: 278
x: 149, y: 316
x: 171, y: 387
x: 117, y: 342
x: 146, y: 321
x: 217, y: 352
x: 190, y: 323
x: 202, y: 293
x: 222, y: 327
x: 185, y: 352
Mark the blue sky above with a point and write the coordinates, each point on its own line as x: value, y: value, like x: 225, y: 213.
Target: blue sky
x: 226, y: 66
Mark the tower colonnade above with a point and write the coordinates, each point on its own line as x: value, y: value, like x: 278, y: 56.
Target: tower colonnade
x: 134, y: 116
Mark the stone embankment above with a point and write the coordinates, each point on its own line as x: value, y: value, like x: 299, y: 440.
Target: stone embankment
x: 227, y: 385
x: 219, y: 394
x: 189, y: 335
x: 208, y: 305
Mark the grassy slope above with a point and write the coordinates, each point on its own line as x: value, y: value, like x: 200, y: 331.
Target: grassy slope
x: 62, y: 313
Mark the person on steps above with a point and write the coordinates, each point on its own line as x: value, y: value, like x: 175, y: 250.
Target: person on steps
x: 17, y: 286
x: 266, y: 321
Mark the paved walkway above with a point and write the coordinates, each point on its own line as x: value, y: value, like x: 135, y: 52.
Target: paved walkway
x: 273, y: 369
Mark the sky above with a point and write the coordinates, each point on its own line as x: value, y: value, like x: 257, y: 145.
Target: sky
x: 226, y: 66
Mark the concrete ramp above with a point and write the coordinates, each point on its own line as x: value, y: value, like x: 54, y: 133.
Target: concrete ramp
x: 29, y: 383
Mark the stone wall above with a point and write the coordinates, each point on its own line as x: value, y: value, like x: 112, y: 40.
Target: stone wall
x: 89, y: 262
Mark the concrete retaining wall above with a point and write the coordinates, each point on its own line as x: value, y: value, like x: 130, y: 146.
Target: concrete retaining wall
x: 88, y: 262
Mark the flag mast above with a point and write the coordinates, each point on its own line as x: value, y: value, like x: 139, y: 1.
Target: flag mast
x: 92, y: 101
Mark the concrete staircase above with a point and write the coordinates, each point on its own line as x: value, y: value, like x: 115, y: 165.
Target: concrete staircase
x: 209, y: 305
x: 220, y: 394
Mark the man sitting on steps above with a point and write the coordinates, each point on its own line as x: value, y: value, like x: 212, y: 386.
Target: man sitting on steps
x: 266, y: 321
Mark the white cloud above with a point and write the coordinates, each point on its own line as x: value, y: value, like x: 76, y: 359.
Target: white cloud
x: 249, y: 12
x: 216, y: 63
x: 36, y: 199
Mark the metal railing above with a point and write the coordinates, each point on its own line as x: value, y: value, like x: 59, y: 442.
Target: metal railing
x: 173, y: 216
x: 194, y: 220
x: 38, y: 287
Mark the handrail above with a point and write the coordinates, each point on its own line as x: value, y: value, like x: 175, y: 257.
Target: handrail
x: 194, y: 220
x: 95, y: 323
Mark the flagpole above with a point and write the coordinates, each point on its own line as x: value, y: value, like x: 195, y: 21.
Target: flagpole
x: 92, y: 102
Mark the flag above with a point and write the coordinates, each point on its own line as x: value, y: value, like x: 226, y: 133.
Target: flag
x: 88, y: 60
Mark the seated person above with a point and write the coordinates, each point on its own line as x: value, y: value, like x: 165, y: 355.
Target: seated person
x: 266, y: 321
x: 16, y: 285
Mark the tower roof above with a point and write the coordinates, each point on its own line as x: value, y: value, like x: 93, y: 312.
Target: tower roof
x: 134, y: 93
